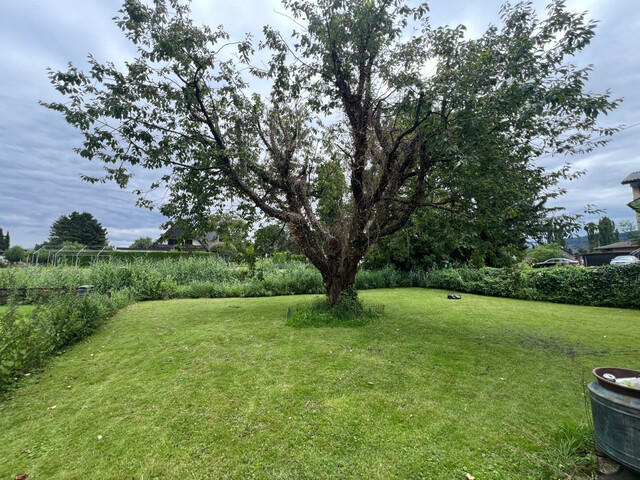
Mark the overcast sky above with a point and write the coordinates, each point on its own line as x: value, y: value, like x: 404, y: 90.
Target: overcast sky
x: 40, y: 173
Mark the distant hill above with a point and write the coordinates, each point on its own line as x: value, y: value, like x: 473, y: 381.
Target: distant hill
x: 575, y: 244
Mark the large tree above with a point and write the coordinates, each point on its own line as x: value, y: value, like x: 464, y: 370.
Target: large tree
x: 142, y: 243
x: 355, y: 112
x: 607, y: 233
x: 81, y: 228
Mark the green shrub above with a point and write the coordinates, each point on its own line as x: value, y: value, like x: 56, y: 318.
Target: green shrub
x: 605, y: 286
x: 74, y: 318
x: 15, y: 254
x: 28, y: 340
x: 25, y: 342
x: 543, y: 252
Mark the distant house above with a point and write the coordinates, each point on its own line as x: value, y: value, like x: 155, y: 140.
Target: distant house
x: 569, y: 255
x: 619, y: 248
x: 175, y: 238
x: 633, y: 180
x: 604, y: 254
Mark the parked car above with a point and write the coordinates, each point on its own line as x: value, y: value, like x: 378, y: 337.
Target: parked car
x: 624, y: 260
x: 557, y: 262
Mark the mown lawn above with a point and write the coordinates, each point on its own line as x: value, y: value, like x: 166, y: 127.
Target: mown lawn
x: 435, y: 389
x: 22, y: 310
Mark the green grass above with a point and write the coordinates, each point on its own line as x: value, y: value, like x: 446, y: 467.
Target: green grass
x: 22, y: 309
x: 434, y: 389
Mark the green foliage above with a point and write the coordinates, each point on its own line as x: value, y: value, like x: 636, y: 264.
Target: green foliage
x: 348, y: 311
x: 387, y: 277
x: 605, y: 286
x: 281, y: 259
x: 209, y: 276
x: 142, y: 243
x: 5, y: 241
x: 333, y: 187
x: 607, y: 232
x: 89, y: 257
x: 573, y: 450
x: 543, y: 252
x: 201, y: 289
x: 228, y: 227
x: 15, y: 254
x: 592, y: 236
x: 27, y: 341
x: 81, y: 228
x: 353, y: 135
x: 273, y: 239
x: 629, y: 228
x: 432, y: 235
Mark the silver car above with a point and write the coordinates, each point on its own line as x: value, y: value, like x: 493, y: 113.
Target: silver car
x: 624, y: 260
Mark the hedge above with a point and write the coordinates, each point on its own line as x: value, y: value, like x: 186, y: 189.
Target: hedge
x: 605, y: 286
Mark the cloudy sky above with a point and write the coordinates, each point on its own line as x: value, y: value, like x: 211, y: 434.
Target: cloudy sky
x: 40, y: 173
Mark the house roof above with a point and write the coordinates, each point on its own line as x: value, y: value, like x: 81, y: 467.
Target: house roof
x: 618, y: 246
x: 632, y: 177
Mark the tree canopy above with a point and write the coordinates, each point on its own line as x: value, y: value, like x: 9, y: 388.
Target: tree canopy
x: 273, y: 238
x: 142, y: 243
x: 355, y: 133
x: 81, y: 228
x: 543, y: 252
x: 607, y: 233
x: 15, y: 254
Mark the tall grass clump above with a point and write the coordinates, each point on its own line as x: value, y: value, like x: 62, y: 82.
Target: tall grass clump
x: 387, y: 277
x: 198, y: 269
x: 349, y: 310
x: 572, y: 453
x: 37, y: 276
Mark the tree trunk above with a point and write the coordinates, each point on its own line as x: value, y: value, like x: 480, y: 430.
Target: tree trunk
x: 338, y: 279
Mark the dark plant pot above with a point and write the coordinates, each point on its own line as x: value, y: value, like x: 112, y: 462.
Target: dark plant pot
x: 616, y: 416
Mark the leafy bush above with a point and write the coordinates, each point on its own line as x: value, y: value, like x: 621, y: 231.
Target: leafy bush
x: 25, y: 342
x: 543, y: 252
x: 605, y: 286
x: 28, y: 340
x: 15, y: 254
x: 199, y: 289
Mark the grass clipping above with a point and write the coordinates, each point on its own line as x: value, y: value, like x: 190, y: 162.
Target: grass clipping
x: 348, y: 311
